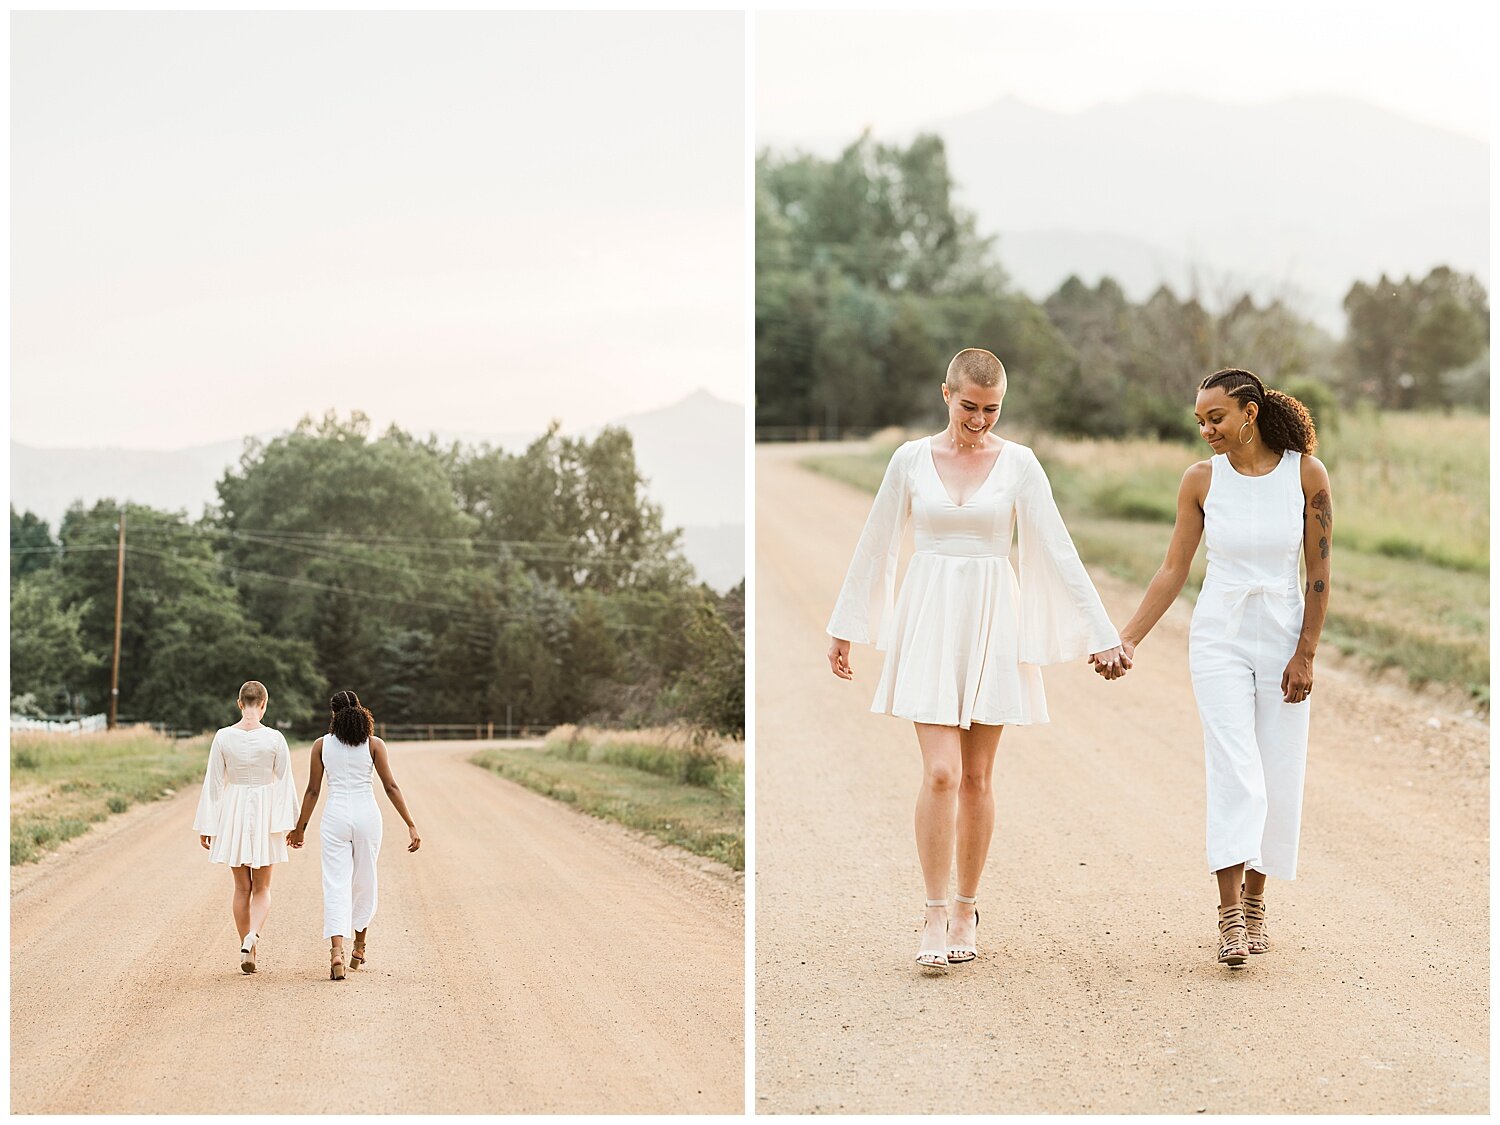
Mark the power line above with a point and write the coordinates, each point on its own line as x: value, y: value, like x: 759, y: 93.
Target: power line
x: 473, y: 613
x: 430, y: 544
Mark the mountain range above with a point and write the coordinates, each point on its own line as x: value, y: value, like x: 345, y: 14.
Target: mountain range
x: 692, y: 454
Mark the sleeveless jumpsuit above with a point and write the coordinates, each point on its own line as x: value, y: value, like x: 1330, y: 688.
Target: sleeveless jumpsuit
x: 350, y: 835
x: 1244, y: 631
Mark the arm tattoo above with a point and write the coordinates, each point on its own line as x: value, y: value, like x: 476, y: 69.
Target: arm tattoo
x: 1322, y: 506
x: 1315, y: 587
x: 1323, y: 546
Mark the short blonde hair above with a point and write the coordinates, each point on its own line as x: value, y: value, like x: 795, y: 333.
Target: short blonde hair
x: 253, y: 694
x: 977, y: 366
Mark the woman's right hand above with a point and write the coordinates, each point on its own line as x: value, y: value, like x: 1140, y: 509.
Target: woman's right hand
x: 838, y: 659
x: 206, y: 841
x: 294, y: 838
x: 416, y: 840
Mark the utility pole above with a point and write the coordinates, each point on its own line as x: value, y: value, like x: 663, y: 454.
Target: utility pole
x: 114, y: 675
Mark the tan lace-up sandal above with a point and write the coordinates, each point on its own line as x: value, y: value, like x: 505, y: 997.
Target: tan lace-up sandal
x: 934, y: 959
x: 1256, y: 937
x: 357, y: 954
x: 336, y: 964
x: 1232, y: 948
x: 958, y: 954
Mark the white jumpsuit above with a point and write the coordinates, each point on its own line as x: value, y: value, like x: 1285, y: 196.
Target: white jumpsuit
x: 350, y: 836
x: 1245, y: 629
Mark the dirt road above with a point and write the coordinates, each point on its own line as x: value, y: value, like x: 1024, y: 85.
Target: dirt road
x: 1095, y: 990
x: 527, y: 959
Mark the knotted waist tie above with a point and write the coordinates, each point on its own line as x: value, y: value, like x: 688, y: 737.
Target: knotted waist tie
x: 1282, y: 603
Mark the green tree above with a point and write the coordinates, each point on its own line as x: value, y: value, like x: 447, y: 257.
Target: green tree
x: 32, y: 547
x: 325, y: 505
x: 50, y: 661
x: 1406, y: 339
x: 863, y: 265
x: 574, y: 512
x: 187, y: 641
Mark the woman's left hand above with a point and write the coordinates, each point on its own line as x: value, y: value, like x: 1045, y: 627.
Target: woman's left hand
x: 206, y: 841
x: 294, y: 838
x: 1297, y: 680
x: 416, y: 840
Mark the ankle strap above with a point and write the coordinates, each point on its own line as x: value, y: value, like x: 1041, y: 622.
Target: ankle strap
x: 965, y: 899
x: 937, y: 902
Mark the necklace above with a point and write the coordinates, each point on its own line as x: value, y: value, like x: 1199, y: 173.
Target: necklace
x: 953, y: 437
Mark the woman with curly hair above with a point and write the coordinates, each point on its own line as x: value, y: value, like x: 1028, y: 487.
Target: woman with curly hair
x: 350, y: 755
x: 1260, y: 501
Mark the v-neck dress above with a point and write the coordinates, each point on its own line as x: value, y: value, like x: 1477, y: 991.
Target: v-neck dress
x: 966, y: 637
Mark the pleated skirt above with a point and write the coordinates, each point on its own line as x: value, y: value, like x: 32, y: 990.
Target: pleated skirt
x: 951, y: 658
x: 252, y: 829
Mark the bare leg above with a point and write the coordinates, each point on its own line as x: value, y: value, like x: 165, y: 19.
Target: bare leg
x: 937, y: 812
x: 1230, y: 879
x: 241, y: 900
x: 260, y: 896
x: 976, y: 822
x: 1255, y: 882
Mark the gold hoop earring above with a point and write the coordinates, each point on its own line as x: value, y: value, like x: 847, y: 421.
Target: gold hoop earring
x: 1243, y: 439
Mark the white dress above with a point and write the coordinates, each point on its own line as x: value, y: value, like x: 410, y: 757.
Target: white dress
x: 1245, y: 628
x: 350, y: 835
x: 966, y: 637
x: 249, y: 798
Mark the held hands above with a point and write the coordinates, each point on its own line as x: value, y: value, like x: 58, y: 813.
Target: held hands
x: 294, y: 838
x: 1115, y: 662
x: 838, y: 659
x: 206, y: 841
x: 416, y: 840
x: 1297, y: 680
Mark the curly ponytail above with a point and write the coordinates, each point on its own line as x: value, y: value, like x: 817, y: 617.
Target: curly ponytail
x: 350, y: 723
x: 1283, y: 421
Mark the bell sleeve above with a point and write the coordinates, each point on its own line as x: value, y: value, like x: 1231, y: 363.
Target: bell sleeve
x: 865, y: 606
x: 1062, y: 618
x: 206, y: 820
x: 284, y: 804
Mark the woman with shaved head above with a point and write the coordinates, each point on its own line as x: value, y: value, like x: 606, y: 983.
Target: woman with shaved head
x: 965, y: 638
x: 246, y: 808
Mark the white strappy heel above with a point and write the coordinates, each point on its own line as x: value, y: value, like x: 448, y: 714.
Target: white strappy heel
x: 247, y: 952
x: 935, y: 959
x: 958, y: 954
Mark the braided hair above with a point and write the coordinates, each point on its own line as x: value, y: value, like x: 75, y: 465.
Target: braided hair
x: 1283, y: 421
x: 350, y: 723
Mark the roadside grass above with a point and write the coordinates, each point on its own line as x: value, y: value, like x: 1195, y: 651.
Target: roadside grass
x: 1411, y: 558
x: 681, y: 786
x: 61, y: 785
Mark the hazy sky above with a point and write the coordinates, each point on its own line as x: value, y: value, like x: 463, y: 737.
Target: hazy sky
x: 463, y: 221
x: 824, y: 76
